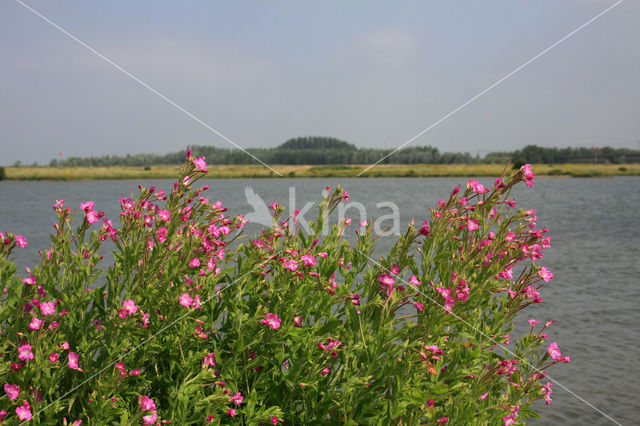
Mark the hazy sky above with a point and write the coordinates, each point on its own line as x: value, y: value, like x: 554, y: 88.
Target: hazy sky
x: 372, y: 73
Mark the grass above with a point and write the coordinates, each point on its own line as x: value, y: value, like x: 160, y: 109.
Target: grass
x: 257, y: 171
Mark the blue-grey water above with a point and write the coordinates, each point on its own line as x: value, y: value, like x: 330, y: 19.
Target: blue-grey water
x: 594, y: 254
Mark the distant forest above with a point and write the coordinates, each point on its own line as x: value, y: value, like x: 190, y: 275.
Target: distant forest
x: 326, y: 150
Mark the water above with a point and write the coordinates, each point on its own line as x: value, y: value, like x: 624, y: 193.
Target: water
x: 594, y: 255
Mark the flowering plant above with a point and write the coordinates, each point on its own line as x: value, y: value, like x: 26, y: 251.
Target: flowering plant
x: 193, y: 323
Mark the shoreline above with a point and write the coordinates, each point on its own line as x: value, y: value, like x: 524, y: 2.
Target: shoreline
x: 316, y: 171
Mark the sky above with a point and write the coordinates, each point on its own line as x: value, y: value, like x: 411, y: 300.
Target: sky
x: 372, y: 73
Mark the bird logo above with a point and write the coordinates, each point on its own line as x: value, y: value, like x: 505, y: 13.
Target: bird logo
x: 261, y: 213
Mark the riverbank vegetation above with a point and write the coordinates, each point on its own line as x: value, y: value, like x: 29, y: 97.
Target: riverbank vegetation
x: 318, y: 150
x: 311, y: 171
x: 196, y: 322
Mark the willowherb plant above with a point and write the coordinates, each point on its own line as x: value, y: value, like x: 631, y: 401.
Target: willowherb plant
x: 189, y: 328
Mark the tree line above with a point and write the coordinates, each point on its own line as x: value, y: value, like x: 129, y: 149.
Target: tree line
x: 326, y: 150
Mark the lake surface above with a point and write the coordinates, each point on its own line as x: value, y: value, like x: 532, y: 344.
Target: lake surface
x: 595, y: 256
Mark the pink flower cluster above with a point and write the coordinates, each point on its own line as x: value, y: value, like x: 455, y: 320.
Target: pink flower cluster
x: 147, y: 404
x: 452, y: 295
x: 91, y: 215
x: 331, y: 346
x: 128, y: 308
x: 528, y: 175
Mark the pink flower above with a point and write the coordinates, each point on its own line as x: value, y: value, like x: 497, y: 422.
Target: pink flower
x: 477, y: 186
x: 545, y: 274
x: 443, y: 420
x: 54, y: 357
x: 511, y: 418
x: 186, y: 300
x: 48, y: 308
x: 546, y: 390
x: 35, y: 323
x: 25, y: 353
x: 30, y: 280
x: 24, y: 411
x: 65, y: 346
x: 297, y: 321
x: 231, y: 412
x: 58, y: 204
x: 147, y: 404
x: 448, y: 300
x: 484, y: 396
x: 272, y: 321
x: 553, y: 350
x: 13, y: 391
x: 211, y: 264
x: 150, y: 419
x: 237, y: 398
x: 290, y: 264
x: 472, y: 225
x: 148, y: 220
x: 533, y: 322
x: 194, y: 263
x: 425, y: 230
x: 200, y: 163
x: 21, y: 241
x: 386, y: 284
x: 528, y: 175
x: 87, y: 206
x: 386, y: 279
x: 532, y: 292
x: 308, y: 260
x: 325, y: 371
x: 92, y: 216
x: 419, y: 306
x: 462, y: 293
x: 145, y: 320
x: 134, y: 372
x: 413, y: 280
x: 507, y: 273
x: 73, y: 360
x: 209, y: 359
x: 161, y: 234
x: 164, y: 215
x: 274, y: 420
x: 435, y: 350
x: 130, y: 307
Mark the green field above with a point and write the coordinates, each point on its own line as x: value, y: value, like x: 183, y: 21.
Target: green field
x: 257, y: 171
